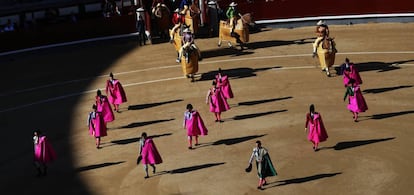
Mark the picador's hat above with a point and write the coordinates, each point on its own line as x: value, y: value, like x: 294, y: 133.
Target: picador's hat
x: 321, y: 23
x: 232, y: 4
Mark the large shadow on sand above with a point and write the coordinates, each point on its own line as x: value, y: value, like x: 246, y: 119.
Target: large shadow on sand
x: 144, y: 123
x: 235, y: 73
x: 97, y: 166
x: 136, y: 139
x: 81, y: 63
x: 255, y: 102
x: 386, y: 89
x: 302, y: 179
x: 190, y: 168
x: 232, y: 141
x: 254, y: 115
x: 351, y: 144
x: 386, y: 115
x: 276, y: 43
x: 194, y: 168
x: 150, y: 105
x: 224, y: 50
x: 378, y: 66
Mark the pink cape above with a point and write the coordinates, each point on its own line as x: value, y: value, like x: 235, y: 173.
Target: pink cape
x: 357, y: 102
x: 150, y: 153
x: 225, y: 86
x: 97, y: 125
x: 195, y: 126
x: 317, y: 131
x: 115, y: 92
x: 43, y: 151
x: 217, y: 101
x: 104, y: 107
x: 352, y: 74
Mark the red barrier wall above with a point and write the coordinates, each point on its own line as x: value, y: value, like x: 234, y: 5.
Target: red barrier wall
x: 260, y: 10
x: 281, y: 9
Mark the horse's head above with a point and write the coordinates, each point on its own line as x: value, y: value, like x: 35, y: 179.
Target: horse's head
x: 247, y: 19
x: 194, y: 9
x: 161, y: 10
x: 328, y: 43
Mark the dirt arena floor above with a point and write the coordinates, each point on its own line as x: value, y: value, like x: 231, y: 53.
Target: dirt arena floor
x: 274, y: 82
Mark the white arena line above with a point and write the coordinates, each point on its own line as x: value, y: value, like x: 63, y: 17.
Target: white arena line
x: 175, y: 78
x: 84, y: 79
x: 209, y: 62
x: 84, y: 92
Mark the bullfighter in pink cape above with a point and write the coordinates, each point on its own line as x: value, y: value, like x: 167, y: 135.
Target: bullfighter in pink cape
x: 97, y: 126
x: 115, y: 92
x: 223, y: 82
x: 148, y: 153
x: 194, y: 125
x: 317, y: 132
x: 217, y: 101
x: 104, y: 107
x: 349, y: 71
x: 356, y: 101
x: 43, y: 153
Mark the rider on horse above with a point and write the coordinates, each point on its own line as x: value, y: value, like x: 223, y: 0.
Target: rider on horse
x: 232, y: 14
x: 155, y: 4
x: 177, y: 19
x: 188, y: 43
x: 141, y: 30
x: 322, y: 29
x: 322, y: 32
x: 184, y: 6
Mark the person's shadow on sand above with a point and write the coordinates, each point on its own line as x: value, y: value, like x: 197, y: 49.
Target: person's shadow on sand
x: 301, y: 179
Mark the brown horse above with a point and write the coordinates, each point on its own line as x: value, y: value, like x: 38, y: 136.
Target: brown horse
x: 240, y: 34
x: 189, y: 63
x: 189, y: 60
x: 161, y: 14
x: 329, y: 44
x: 192, y: 18
x: 326, y: 51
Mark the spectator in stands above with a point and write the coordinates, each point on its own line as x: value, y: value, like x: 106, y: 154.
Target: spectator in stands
x: 109, y: 8
x: 9, y: 27
x: 73, y: 18
x: 141, y: 30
